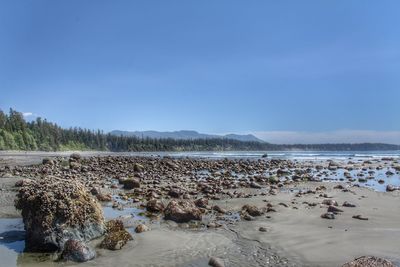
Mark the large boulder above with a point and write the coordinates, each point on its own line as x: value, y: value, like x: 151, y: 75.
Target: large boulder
x: 369, y: 261
x: 55, y: 210
x: 182, y: 211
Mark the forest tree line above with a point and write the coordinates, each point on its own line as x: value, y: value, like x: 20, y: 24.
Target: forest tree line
x: 18, y: 134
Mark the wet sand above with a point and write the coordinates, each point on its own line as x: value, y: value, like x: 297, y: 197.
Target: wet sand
x: 295, y: 234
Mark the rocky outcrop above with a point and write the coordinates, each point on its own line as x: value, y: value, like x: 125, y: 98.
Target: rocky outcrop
x: 182, y: 211
x: 369, y: 261
x: 55, y: 210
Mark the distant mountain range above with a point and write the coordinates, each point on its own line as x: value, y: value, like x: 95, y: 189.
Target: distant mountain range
x: 185, y: 135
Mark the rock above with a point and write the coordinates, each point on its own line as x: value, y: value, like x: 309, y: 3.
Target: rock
x: 73, y: 165
x: 175, y: 193
x: 253, y: 210
x: 255, y: 185
x: 216, y: 262
x: 23, y: 182
x: 262, y: 229
x: 391, y: 188
x: 95, y: 191
x: 248, y: 217
x: 265, y: 155
x: 138, y: 167
x: 348, y: 205
x: 328, y: 215
x: 155, y: 205
x: 47, y: 161
x: 114, y: 226
x: 219, y: 209
x: 141, y: 228
x: 369, y: 261
x: 116, y: 236
x: 273, y: 180
x: 131, y: 183
x: 116, y: 240
x: 104, y: 197
x: 330, y: 202
x: 334, y: 209
x: 360, y: 217
x: 55, y: 210
x: 77, y: 251
x: 75, y: 156
x: 201, y: 202
x: 182, y: 211
x: 339, y: 187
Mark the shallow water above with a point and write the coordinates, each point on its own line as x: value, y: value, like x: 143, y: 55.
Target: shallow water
x: 299, y: 155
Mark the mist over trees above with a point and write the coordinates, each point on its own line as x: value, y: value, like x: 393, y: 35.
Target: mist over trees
x: 18, y: 134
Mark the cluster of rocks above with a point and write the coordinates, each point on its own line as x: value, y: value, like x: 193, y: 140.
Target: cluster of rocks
x: 369, y: 261
x: 60, y: 205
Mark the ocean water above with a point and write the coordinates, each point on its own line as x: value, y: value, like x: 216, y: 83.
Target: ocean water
x: 295, y: 155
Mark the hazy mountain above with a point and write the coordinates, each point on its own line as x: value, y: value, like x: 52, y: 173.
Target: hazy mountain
x: 185, y: 135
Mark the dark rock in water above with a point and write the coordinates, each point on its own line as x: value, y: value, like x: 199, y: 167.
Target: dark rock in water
x: 182, y: 211
x: 216, y: 262
x: 369, y: 261
x: 328, y: 215
x: 265, y: 155
x: 131, y: 184
x: 55, y: 210
x: 155, y: 205
x: 116, y: 236
x: 201, y: 202
x: 253, y: 210
x: 78, y: 251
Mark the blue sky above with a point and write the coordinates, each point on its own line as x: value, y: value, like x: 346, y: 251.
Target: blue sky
x: 325, y: 70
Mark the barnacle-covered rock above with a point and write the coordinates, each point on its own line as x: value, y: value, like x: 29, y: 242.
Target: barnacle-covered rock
x: 55, y: 210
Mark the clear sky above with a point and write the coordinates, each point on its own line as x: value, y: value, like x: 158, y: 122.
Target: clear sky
x: 285, y: 70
